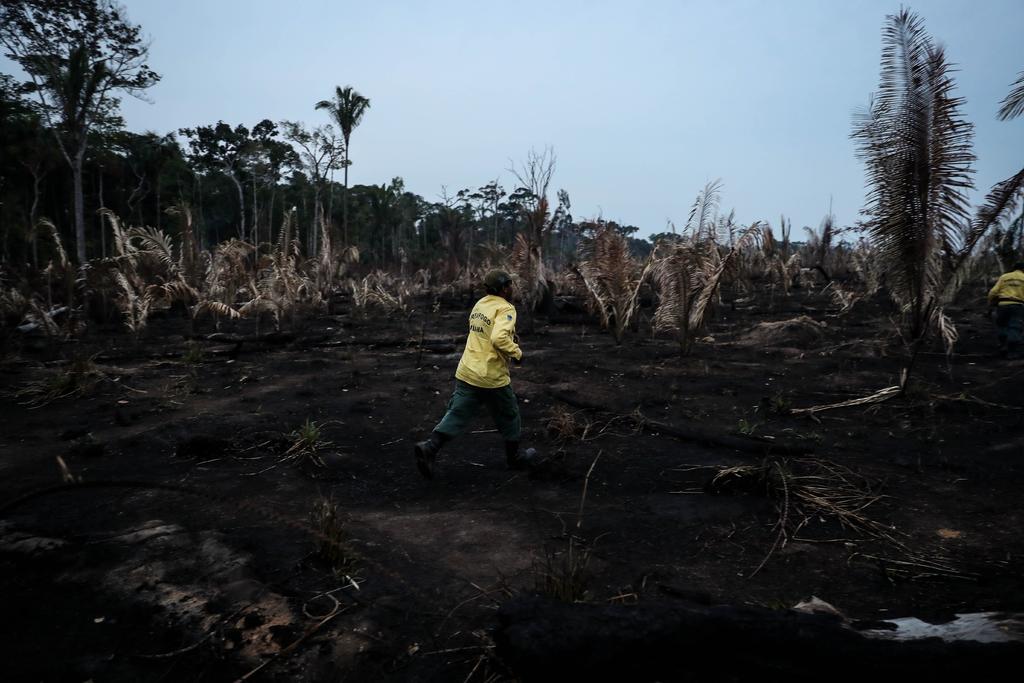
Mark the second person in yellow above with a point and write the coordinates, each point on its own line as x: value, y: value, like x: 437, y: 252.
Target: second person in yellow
x: 1007, y: 297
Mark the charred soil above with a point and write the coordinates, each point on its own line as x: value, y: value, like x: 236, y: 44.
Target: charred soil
x: 253, y: 501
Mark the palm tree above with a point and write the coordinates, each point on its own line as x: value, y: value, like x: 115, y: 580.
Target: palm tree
x: 1013, y: 105
x: 917, y: 151
x: 347, y: 109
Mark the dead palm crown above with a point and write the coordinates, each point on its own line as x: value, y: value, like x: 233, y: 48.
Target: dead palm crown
x: 279, y: 288
x: 687, y: 276
x: 768, y: 261
x: 917, y: 150
x: 145, y: 272
x: 612, y: 278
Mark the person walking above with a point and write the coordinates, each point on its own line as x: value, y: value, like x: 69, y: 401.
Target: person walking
x: 482, y: 377
x: 1007, y: 297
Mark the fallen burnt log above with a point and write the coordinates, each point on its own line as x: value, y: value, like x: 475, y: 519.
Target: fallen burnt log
x: 239, y: 340
x: 227, y: 338
x: 759, y: 445
x: 544, y: 640
x: 429, y: 345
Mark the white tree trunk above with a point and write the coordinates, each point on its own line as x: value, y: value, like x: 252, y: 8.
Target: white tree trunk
x: 241, y: 205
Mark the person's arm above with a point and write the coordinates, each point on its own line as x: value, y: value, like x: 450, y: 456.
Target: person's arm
x: 503, y: 333
x: 993, y: 294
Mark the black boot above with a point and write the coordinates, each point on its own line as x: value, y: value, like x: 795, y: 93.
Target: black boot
x: 512, y: 456
x: 426, y: 453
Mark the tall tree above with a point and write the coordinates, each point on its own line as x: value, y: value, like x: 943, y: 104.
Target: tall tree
x: 78, y: 54
x: 226, y: 150
x: 24, y: 139
x: 268, y: 156
x: 347, y: 109
x: 487, y: 198
x: 319, y: 153
x: 146, y: 155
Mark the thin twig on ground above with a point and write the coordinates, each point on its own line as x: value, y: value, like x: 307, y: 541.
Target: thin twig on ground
x: 583, y: 496
x: 783, y: 521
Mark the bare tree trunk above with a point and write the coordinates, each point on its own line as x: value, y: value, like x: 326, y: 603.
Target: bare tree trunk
x: 103, y: 233
x: 158, y: 200
x: 33, y: 213
x: 330, y: 200
x: 202, y: 221
x: 241, y: 205
x: 76, y: 175
x: 5, y: 255
x: 344, y: 199
x: 314, y: 232
x: 270, y: 216
x: 298, y: 223
x: 255, y: 215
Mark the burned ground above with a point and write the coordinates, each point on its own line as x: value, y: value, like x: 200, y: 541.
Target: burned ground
x: 191, y: 552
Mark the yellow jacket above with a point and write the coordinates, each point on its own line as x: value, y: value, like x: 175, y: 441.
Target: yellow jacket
x: 490, y: 344
x: 1009, y: 289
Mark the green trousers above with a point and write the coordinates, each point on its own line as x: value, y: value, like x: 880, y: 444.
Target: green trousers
x: 1010, y: 321
x: 465, y: 404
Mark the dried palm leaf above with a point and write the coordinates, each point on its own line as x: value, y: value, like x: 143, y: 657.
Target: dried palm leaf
x: 62, y: 255
x: 877, y: 397
x: 531, y: 274
x: 700, y: 223
x: 1013, y: 105
x: 701, y: 308
x: 122, y: 239
x: 1000, y: 203
x: 215, y: 307
x: 613, y: 279
x: 157, y: 243
x: 42, y: 319
x: 134, y: 307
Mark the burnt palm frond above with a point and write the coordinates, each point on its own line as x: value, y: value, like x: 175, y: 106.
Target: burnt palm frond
x: 726, y: 228
x: 687, y: 276
x: 62, y: 255
x: 702, y: 306
x: 1000, y: 203
x: 215, y: 307
x: 950, y: 157
x: 612, y: 277
x: 175, y: 290
x: 828, y: 224
x: 122, y: 238
x: 700, y: 222
x: 158, y: 243
x: 531, y: 274
x: 768, y: 242
x: 917, y: 151
x: 188, y: 255
x: 679, y: 276
x: 1013, y: 105
x: 133, y: 305
x: 865, y: 263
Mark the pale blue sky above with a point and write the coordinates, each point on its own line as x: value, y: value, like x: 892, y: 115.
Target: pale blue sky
x: 643, y: 101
